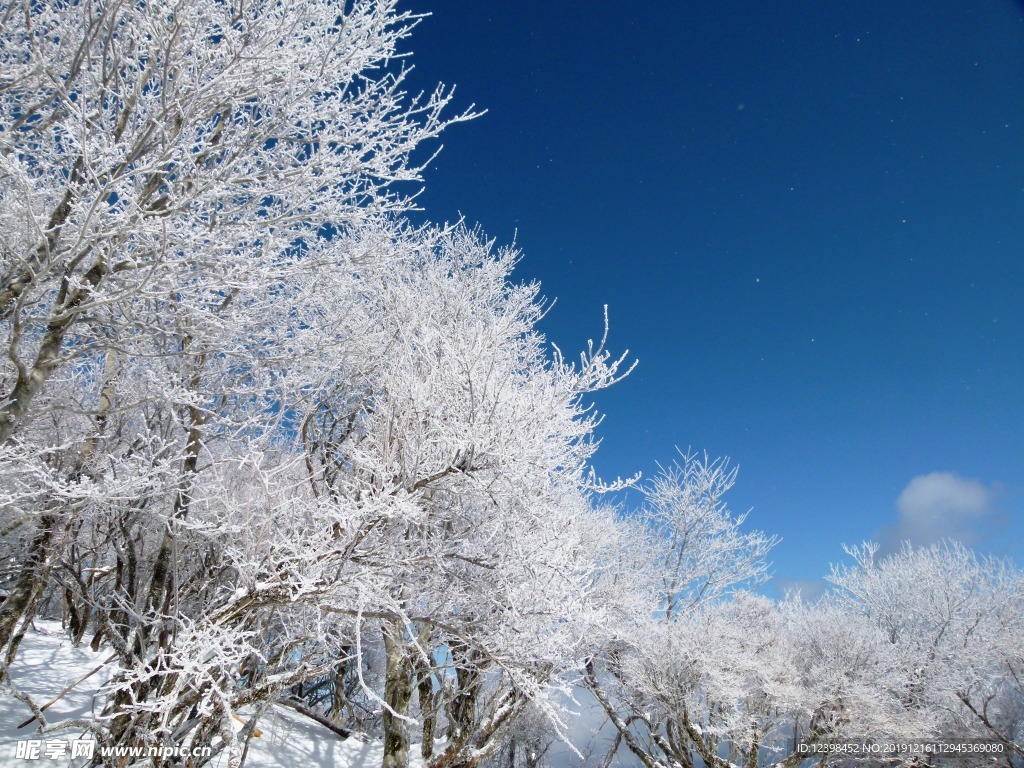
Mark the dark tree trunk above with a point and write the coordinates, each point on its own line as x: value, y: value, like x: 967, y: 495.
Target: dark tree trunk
x: 21, y: 602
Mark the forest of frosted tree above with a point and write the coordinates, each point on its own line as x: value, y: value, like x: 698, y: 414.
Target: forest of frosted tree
x: 267, y: 442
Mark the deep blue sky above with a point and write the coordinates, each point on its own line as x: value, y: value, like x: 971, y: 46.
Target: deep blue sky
x: 806, y: 219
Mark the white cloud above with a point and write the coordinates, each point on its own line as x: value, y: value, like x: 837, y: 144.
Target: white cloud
x: 940, y: 505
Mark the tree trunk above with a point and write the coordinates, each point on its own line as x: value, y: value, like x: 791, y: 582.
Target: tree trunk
x: 428, y: 707
x: 21, y: 601
x: 397, y: 695
x: 31, y: 381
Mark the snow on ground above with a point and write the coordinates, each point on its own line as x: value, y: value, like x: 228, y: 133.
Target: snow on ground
x: 48, y: 663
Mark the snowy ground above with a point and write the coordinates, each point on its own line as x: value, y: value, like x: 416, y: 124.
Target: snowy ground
x: 47, y: 664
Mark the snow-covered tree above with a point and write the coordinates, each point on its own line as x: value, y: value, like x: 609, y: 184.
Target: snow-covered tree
x: 395, y: 459
x: 950, y: 663
x: 694, y: 678
x: 843, y: 667
x: 157, y: 161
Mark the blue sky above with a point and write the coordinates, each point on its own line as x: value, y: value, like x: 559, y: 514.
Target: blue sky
x: 806, y: 220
